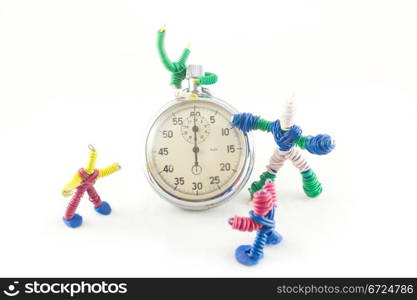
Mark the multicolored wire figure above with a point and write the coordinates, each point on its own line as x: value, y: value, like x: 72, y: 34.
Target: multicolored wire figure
x: 83, y: 181
x: 286, y: 136
x: 262, y: 220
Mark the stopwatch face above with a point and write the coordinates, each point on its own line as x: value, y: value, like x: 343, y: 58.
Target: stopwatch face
x: 195, y: 158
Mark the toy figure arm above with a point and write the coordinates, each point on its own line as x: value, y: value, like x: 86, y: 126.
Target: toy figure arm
x: 208, y: 78
x: 91, y: 160
x: 320, y: 144
x: 247, y: 122
x: 185, y: 54
x: 162, y: 53
x: 178, y: 69
x: 71, y: 185
x: 285, y: 139
x: 244, y: 224
x: 109, y: 170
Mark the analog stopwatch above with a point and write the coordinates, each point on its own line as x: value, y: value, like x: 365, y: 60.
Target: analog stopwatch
x: 195, y: 159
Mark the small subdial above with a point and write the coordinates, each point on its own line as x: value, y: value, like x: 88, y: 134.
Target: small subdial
x: 195, y: 129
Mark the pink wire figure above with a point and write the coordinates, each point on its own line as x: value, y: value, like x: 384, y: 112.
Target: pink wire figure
x: 262, y: 220
x: 83, y: 181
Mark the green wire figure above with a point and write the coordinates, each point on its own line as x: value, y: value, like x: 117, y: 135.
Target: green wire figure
x: 179, y: 68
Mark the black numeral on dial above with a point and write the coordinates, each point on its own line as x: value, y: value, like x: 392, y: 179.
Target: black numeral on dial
x: 197, y: 186
x: 231, y: 149
x: 167, y: 134
x: 179, y: 180
x: 214, y: 179
x: 168, y: 169
x: 163, y: 151
x: 225, y: 167
x: 177, y: 121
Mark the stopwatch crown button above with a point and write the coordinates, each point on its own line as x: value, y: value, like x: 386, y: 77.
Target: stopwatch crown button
x: 194, y: 71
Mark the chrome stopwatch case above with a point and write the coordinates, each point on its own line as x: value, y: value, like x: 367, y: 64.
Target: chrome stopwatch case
x: 195, y: 159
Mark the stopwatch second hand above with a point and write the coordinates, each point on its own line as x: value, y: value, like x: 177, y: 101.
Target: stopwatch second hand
x: 195, y: 148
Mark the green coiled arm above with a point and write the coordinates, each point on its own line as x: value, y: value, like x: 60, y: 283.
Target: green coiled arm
x: 179, y: 68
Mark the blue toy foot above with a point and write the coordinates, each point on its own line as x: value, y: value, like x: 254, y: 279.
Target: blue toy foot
x: 273, y: 238
x: 243, y: 256
x: 103, y: 209
x: 75, y: 222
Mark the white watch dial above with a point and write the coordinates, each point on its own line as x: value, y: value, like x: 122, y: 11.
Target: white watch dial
x: 193, y: 153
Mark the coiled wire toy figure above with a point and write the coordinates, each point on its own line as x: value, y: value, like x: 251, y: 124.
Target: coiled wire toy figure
x: 179, y: 68
x: 83, y: 181
x: 286, y: 136
x: 262, y: 220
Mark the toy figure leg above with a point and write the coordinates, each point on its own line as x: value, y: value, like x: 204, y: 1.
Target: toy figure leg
x: 273, y: 238
x: 71, y: 219
x: 250, y: 255
x: 243, y: 256
x: 311, y: 185
x: 94, y: 196
x: 276, y: 162
x: 102, y: 207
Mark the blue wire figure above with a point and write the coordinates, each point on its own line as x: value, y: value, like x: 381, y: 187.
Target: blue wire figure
x: 286, y: 136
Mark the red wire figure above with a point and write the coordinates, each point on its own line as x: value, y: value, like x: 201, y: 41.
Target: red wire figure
x: 262, y: 220
x: 83, y: 181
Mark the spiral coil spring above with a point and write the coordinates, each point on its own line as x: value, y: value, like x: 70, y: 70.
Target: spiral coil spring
x: 320, y: 144
x: 257, y: 185
x: 279, y: 157
x: 91, y: 162
x: 208, y: 78
x: 263, y: 125
x: 74, y: 202
x: 244, y: 224
x: 270, y: 188
x: 262, y: 203
x: 311, y: 185
x: 94, y: 196
x: 298, y: 160
x: 179, y: 68
x: 244, y: 121
x: 109, y: 170
x: 259, y: 243
x: 268, y: 225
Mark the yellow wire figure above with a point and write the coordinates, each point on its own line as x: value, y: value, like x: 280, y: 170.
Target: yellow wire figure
x: 83, y: 181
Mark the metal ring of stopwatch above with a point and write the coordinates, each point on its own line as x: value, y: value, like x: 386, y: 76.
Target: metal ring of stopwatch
x: 214, y: 201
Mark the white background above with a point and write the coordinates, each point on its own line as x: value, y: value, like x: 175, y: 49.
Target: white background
x: 80, y: 72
